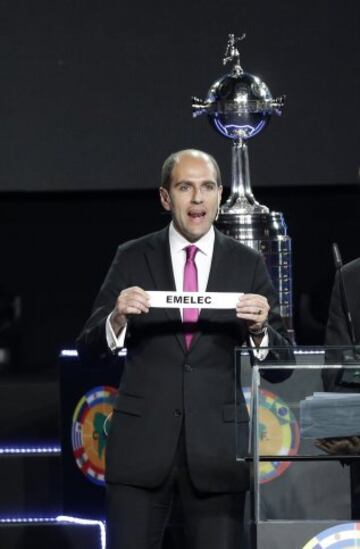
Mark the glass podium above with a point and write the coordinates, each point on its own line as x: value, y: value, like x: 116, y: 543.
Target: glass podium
x: 303, y: 445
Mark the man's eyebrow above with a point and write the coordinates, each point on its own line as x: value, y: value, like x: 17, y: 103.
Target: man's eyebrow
x: 183, y: 181
x: 189, y: 182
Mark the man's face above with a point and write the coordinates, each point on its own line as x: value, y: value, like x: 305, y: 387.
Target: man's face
x: 193, y: 197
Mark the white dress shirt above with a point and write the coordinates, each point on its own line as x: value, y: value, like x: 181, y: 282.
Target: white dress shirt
x: 178, y: 257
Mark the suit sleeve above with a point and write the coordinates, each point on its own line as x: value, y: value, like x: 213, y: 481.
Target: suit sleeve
x: 262, y: 285
x: 337, y: 334
x: 91, y: 343
x: 277, y: 334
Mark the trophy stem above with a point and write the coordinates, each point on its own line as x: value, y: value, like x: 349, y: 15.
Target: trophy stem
x: 241, y: 199
x: 240, y: 185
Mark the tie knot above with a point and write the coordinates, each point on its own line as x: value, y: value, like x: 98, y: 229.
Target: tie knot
x: 191, y: 252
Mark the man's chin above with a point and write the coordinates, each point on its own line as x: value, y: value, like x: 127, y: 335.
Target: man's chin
x: 194, y: 235
x: 194, y: 231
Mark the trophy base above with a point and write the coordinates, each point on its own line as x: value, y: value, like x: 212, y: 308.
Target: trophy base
x: 266, y: 233
x: 242, y: 205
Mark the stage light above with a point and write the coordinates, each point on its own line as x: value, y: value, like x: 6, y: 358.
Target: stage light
x: 86, y: 522
x: 58, y: 520
x: 68, y: 353
x: 31, y: 450
x: 71, y: 353
x: 27, y: 520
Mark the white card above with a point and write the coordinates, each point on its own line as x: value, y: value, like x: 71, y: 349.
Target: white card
x: 194, y: 300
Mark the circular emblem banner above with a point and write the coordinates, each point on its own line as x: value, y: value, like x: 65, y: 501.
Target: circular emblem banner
x: 279, y: 432
x: 342, y: 536
x: 88, y: 436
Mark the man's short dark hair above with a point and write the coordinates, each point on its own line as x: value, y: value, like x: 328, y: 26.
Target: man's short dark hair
x: 171, y: 160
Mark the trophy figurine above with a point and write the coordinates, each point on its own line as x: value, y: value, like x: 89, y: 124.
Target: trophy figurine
x: 239, y: 106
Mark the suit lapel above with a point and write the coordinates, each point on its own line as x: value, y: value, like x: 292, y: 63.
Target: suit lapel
x: 217, y: 275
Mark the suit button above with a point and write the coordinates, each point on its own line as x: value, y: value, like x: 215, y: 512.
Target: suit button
x: 188, y: 368
x: 177, y: 412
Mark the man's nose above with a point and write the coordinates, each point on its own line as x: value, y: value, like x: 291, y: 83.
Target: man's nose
x: 197, y: 196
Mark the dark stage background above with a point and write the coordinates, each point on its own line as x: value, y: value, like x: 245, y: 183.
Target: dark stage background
x: 95, y: 94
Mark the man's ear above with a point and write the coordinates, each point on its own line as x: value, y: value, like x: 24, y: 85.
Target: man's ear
x: 165, y: 198
x: 220, y: 195
x: 219, y: 202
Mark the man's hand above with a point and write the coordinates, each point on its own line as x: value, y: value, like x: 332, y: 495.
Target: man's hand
x: 132, y: 301
x: 254, y: 309
x: 347, y: 446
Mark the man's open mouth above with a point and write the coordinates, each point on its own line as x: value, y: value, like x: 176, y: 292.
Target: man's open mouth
x: 196, y: 214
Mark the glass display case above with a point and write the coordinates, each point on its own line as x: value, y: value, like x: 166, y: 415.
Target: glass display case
x: 302, y: 444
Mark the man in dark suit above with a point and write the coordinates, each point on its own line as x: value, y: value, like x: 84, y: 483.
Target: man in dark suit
x: 338, y: 334
x: 173, y: 423
x: 337, y: 331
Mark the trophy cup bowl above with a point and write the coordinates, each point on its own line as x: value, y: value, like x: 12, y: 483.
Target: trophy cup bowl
x: 238, y: 106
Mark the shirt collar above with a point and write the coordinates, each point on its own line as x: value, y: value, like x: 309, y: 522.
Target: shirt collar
x: 178, y: 242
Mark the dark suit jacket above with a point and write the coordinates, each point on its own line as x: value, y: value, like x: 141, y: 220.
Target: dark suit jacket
x: 337, y: 332
x: 164, y: 386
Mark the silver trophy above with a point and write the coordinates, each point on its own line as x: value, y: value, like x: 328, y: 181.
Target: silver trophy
x: 239, y: 106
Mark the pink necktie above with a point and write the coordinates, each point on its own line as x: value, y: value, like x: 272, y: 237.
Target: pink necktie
x: 190, y: 285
